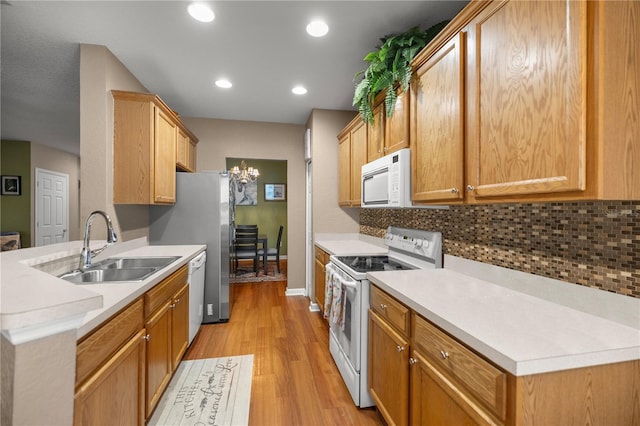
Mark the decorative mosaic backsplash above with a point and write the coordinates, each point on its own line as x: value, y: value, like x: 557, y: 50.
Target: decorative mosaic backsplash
x: 596, y: 244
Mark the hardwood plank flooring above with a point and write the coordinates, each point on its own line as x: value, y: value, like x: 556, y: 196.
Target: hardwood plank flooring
x: 295, y: 380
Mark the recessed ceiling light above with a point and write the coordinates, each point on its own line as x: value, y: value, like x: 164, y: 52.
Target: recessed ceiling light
x: 225, y: 84
x: 299, y: 90
x: 317, y: 28
x: 200, y: 12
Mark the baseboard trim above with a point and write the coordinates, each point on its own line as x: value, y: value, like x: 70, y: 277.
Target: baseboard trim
x: 295, y: 292
x: 314, y: 307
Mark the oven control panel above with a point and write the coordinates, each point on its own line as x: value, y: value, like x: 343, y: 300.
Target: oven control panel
x: 426, y: 244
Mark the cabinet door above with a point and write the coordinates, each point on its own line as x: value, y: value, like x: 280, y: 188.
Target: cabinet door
x: 397, y: 126
x: 437, y: 401
x: 158, y: 355
x: 192, y: 155
x: 344, y: 170
x: 319, y: 282
x: 527, y: 98
x: 437, y: 126
x: 179, y: 326
x: 388, y: 371
x: 358, y: 159
x: 182, y: 150
x: 375, y: 139
x: 114, y: 395
x: 164, y: 171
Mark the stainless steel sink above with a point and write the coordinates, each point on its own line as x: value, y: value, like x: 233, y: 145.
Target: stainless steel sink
x: 119, y: 269
x: 135, y: 262
x: 97, y: 276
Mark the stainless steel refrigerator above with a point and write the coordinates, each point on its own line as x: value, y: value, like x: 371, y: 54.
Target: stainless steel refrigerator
x: 200, y: 215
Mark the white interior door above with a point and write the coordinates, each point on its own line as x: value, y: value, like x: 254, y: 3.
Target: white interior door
x: 52, y: 207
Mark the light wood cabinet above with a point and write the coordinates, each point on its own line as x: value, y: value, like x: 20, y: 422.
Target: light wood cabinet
x: 145, y: 140
x: 114, y: 395
x: 445, y: 382
x: 179, y: 325
x: 167, y: 325
x: 503, y: 112
x: 388, y: 370
x: 352, y: 155
x: 388, y: 134
x: 186, y: 151
x: 110, y: 371
x: 319, y: 276
x: 437, y: 126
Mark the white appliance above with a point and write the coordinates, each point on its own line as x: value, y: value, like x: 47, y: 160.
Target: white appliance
x: 348, y: 344
x: 196, y: 293
x: 386, y: 182
x: 201, y: 215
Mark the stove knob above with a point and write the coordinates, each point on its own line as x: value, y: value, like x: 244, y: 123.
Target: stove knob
x: 417, y: 243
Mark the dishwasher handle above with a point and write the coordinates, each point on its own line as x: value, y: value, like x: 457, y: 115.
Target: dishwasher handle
x: 197, y: 262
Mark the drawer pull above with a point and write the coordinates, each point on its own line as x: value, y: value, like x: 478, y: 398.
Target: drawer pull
x: 172, y: 306
x: 383, y: 306
x: 400, y: 348
x: 146, y: 337
x: 413, y: 361
x: 444, y: 354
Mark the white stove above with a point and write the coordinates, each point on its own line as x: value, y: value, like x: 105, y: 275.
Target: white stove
x: 348, y: 314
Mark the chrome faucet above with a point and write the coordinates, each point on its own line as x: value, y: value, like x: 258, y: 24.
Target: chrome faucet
x: 87, y: 253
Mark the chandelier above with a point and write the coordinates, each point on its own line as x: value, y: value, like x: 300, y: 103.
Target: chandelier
x: 244, y: 175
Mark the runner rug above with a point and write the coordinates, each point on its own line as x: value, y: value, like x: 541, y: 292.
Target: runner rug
x: 213, y: 391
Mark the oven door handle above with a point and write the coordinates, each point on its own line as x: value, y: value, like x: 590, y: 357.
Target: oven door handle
x: 349, y: 284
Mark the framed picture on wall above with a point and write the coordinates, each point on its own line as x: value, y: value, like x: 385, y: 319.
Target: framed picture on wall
x: 275, y: 192
x: 11, y: 185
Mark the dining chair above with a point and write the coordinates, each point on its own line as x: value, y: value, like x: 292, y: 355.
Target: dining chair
x: 274, y: 251
x: 246, y: 245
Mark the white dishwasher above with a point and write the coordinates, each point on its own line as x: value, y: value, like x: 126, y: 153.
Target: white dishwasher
x: 196, y: 293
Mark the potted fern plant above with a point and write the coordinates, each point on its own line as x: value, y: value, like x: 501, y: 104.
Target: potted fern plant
x: 390, y: 67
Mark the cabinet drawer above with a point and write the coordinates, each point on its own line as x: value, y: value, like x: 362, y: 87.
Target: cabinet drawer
x: 158, y: 295
x: 484, y: 381
x: 94, y: 350
x: 390, y: 309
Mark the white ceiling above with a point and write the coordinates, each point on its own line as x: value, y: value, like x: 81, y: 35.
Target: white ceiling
x: 261, y: 46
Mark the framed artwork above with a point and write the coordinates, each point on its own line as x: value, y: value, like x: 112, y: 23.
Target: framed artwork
x: 11, y: 185
x: 275, y: 191
x: 247, y: 194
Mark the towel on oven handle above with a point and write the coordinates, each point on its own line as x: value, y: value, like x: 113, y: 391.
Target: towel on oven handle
x: 334, y: 299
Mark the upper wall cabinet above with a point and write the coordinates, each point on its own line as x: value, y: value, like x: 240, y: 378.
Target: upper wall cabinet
x: 145, y: 136
x: 388, y: 134
x: 352, y: 155
x: 528, y: 101
x: 186, y: 150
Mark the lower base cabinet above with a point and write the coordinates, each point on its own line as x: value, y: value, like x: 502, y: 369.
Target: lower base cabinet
x: 444, y: 382
x: 125, y: 365
x: 114, y: 395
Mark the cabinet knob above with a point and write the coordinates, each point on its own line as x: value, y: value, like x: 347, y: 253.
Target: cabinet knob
x: 400, y: 348
x: 444, y: 354
x: 383, y: 306
x: 413, y: 361
x: 177, y: 301
x: 454, y: 190
x: 470, y: 188
x: 172, y: 306
x: 146, y: 337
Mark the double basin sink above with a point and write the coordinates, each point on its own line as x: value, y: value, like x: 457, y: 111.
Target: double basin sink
x: 119, y: 269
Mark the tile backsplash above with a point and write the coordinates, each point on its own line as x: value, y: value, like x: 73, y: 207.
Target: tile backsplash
x: 595, y: 243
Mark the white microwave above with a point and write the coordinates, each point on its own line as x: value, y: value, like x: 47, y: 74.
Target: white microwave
x: 386, y: 182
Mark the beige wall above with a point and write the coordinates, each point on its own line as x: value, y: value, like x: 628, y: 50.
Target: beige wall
x: 45, y: 157
x: 219, y: 139
x: 101, y: 72
x: 327, y: 215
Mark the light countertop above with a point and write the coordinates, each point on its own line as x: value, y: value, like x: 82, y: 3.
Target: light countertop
x: 34, y: 298
x: 350, y: 244
x: 520, y: 332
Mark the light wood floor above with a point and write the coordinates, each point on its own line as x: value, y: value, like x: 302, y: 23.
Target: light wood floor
x: 295, y: 381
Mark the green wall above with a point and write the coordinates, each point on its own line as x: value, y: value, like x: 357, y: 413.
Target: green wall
x: 268, y: 215
x: 15, y: 210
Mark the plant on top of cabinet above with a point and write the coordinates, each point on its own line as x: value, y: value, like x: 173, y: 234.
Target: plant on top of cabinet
x: 390, y: 66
